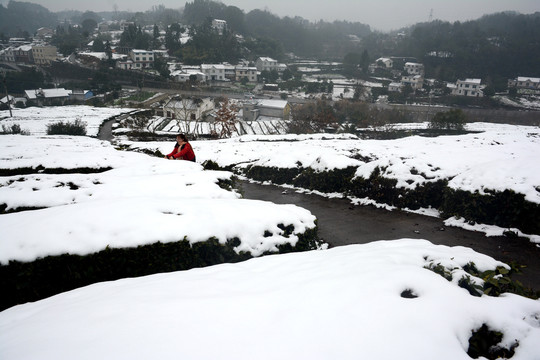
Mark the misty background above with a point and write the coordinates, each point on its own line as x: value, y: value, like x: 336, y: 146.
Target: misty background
x: 380, y: 15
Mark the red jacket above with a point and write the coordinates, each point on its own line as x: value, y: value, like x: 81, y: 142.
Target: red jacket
x: 183, y: 153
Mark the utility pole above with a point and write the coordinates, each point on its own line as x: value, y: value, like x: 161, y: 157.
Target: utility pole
x: 7, y: 95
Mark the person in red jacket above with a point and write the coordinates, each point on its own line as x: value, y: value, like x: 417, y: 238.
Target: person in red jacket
x: 182, y: 150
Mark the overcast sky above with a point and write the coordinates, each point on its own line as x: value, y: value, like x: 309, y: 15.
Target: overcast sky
x: 379, y: 14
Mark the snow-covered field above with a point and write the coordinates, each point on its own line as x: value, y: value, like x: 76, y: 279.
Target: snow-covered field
x: 34, y: 120
x: 498, y: 158
x: 141, y: 200
x: 342, y: 303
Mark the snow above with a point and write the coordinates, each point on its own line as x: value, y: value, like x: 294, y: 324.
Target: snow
x: 342, y: 303
x: 34, y: 120
x: 140, y: 201
x: 497, y: 158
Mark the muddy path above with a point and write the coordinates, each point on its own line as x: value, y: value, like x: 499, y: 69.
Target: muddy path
x: 341, y: 223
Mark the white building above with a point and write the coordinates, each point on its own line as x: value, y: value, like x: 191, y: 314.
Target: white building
x: 142, y: 59
x: 44, y: 54
x: 246, y: 72
x: 414, y: 68
x: 219, y: 25
x: 186, y: 75
x: 525, y: 84
x: 48, y: 96
x: 468, y: 87
x: 266, y: 64
x: 214, y: 72
x: 395, y: 87
x: 269, y: 109
x: 415, y: 81
x: 188, y: 109
x: 385, y: 62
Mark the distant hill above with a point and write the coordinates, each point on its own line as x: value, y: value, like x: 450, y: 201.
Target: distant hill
x: 494, y: 47
x: 20, y: 17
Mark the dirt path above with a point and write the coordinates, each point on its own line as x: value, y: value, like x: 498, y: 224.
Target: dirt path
x: 340, y: 223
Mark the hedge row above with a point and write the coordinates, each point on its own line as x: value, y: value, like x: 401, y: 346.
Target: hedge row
x: 505, y: 209
x: 22, y: 282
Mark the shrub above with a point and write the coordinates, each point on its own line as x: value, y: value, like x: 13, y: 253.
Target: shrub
x: 13, y: 130
x: 449, y: 120
x: 77, y: 128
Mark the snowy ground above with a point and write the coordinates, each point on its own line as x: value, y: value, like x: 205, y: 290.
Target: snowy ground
x: 497, y: 158
x: 140, y: 201
x: 342, y: 303
x: 34, y: 120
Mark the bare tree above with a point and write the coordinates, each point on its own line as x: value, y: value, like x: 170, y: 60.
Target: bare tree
x: 226, y: 120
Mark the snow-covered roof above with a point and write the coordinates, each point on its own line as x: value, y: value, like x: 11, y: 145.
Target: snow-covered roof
x: 25, y: 48
x: 5, y: 99
x: 267, y: 59
x: 524, y: 78
x: 47, y: 93
x: 213, y: 66
x: 277, y: 104
x: 473, y: 81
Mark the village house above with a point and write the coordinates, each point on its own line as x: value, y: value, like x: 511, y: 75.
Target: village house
x: 415, y: 81
x: 8, y: 55
x: 468, y: 87
x: 44, y: 54
x: 142, y: 59
x: 385, y: 62
x: 44, y: 33
x: 246, y: 72
x: 258, y: 110
x: 214, y: 72
x: 48, y: 96
x: 266, y: 64
x: 188, y: 109
x: 414, y: 68
x: 81, y: 95
x: 525, y: 84
x: 23, y: 54
x: 185, y: 75
x: 395, y: 87
x: 219, y: 25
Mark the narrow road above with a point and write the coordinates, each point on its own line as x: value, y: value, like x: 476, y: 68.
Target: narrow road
x: 340, y: 224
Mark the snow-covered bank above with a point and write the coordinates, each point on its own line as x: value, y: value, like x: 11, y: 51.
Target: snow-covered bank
x: 342, y: 303
x: 141, y: 200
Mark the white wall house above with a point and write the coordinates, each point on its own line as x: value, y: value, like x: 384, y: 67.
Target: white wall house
x: 468, y: 87
x: 188, y: 109
x: 219, y: 25
x: 266, y: 64
x: 414, y: 68
x: 386, y: 62
x: 44, y: 54
x: 525, y: 84
x: 214, y: 72
x: 246, y: 72
x: 142, y: 59
x: 415, y: 81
